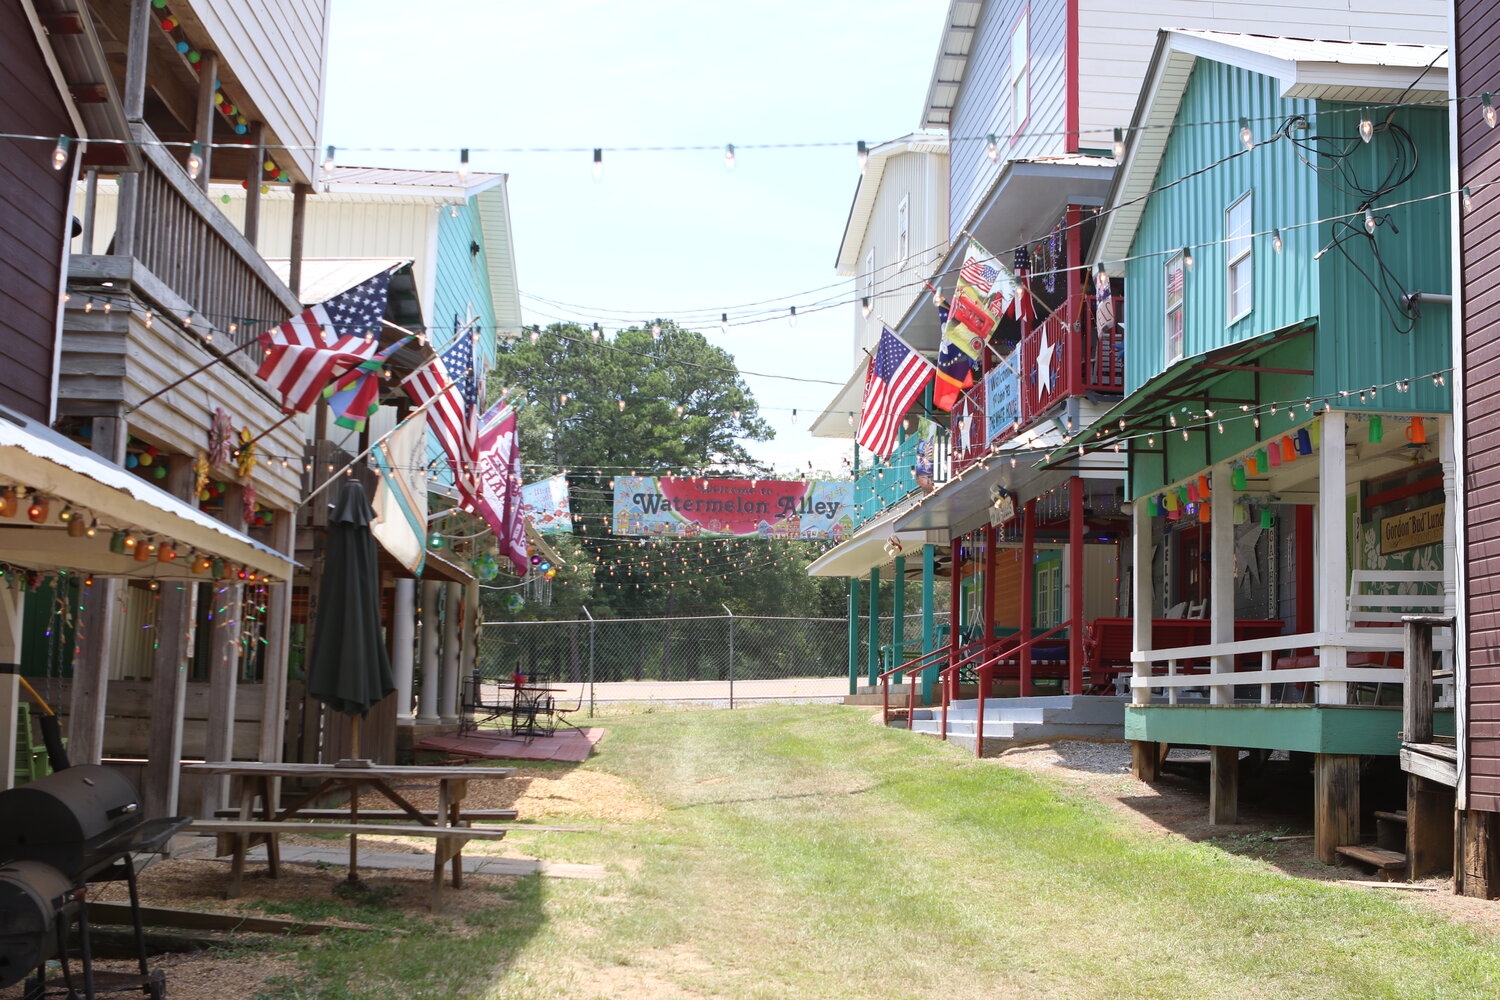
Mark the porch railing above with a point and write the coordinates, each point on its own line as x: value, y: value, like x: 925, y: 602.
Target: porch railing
x: 1062, y: 358
x: 885, y: 483
x: 1332, y: 674
x: 967, y: 429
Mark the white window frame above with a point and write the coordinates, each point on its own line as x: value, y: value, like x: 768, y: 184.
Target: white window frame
x: 903, y: 230
x: 1174, y: 312
x: 1239, y: 257
x: 1020, y: 71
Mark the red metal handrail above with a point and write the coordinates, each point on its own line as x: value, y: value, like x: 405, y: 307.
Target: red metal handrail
x: 984, y: 678
x: 885, y: 683
x: 948, y: 675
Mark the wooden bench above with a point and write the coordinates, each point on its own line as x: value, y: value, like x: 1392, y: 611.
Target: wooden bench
x: 242, y: 832
x: 384, y: 815
x: 1377, y: 612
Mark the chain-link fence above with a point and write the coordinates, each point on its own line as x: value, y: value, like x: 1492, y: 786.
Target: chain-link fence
x: 715, y: 659
x: 712, y: 659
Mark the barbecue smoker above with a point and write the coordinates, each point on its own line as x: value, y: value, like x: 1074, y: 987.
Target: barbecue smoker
x: 57, y: 835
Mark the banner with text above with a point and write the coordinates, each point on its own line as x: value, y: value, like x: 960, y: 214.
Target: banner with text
x: 673, y: 507
x: 545, y: 503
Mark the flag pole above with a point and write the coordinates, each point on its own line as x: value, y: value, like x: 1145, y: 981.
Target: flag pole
x: 192, y: 374
x: 375, y: 444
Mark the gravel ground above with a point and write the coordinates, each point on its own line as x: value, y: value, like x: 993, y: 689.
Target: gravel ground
x: 1076, y: 755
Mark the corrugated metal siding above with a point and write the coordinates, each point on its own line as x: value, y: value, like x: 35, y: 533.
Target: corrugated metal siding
x: 918, y: 177
x: 1478, y: 67
x: 1115, y: 39
x: 276, y: 51
x: 1359, y: 344
x: 463, y: 280
x: 1284, y: 192
x: 33, y: 209
x: 983, y: 105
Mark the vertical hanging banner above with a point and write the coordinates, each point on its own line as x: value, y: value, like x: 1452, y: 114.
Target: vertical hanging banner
x: 497, y: 497
x: 673, y: 507
x: 401, y: 494
x: 545, y: 505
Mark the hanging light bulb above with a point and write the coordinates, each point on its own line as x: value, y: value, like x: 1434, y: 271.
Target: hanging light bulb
x: 1468, y: 199
x: 234, y: 325
x: 1276, y: 243
x: 1119, y: 143
x: 736, y: 414
x: 563, y: 399
x: 621, y: 401
x: 60, y: 152
x: 1187, y: 258
x: 328, y: 164
x: 655, y: 331
x: 729, y: 156
x: 865, y: 307
x: 535, y: 335
x: 723, y: 322
x: 195, y: 160
x: 1366, y: 128
x: 1247, y: 138
x: 863, y: 152
x: 679, y: 409
x: 88, y: 306
x: 791, y: 318
x: 463, y: 166
x: 596, y: 333
x: 598, y: 162
x: 794, y: 415
x: 1369, y: 222
x: 1489, y: 109
x: 107, y: 306
x: 992, y: 148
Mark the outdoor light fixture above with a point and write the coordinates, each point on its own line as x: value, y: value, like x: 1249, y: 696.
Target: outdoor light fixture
x: 195, y: 160
x: 328, y: 164
x: 1366, y: 128
x: 1247, y: 138
x: 865, y: 307
x: 60, y: 151
x: 1119, y: 143
x: 729, y: 156
x: 992, y: 148
x: 1468, y: 199
x: 598, y: 162
x: 863, y: 152
x: 1486, y: 99
x: 1276, y: 240
x: 463, y: 166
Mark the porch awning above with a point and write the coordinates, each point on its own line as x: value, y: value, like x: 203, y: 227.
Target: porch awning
x: 865, y: 550
x: 1148, y: 408
x: 834, y: 421
x: 48, y: 465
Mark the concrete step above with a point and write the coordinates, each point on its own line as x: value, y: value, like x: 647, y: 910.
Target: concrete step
x: 1087, y: 709
x: 1010, y: 733
x: 898, y: 698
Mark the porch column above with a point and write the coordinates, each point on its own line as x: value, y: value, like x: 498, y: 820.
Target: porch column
x: 1145, y: 755
x: 403, y: 628
x: 853, y: 635
x: 427, y: 706
x: 278, y: 642
x: 898, y: 610
x: 1028, y: 597
x: 252, y: 181
x: 1221, y: 578
x: 176, y: 618
x: 1451, y: 509
x: 873, y: 662
x: 208, y: 73
x: 453, y: 601
x: 1331, y: 570
x: 12, y: 603
x: 991, y: 574
x: 98, y: 621
x: 929, y: 636
x: 1075, y: 585
x: 1223, y: 786
x: 468, y: 650
x: 955, y: 606
x: 1335, y: 800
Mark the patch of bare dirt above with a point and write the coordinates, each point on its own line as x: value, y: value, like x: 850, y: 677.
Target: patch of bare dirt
x: 201, y: 975
x: 538, y: 793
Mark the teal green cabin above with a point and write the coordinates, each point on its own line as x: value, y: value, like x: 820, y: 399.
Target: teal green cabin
x: 1354, y: 332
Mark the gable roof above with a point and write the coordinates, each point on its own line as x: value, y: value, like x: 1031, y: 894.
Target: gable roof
x: 442, y: 184
x: 1358, y: 72
x: 869, y: 187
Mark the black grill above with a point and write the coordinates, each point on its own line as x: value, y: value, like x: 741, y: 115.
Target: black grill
x: 57, y: 834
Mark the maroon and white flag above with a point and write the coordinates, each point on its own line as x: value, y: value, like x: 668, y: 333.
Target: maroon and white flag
x: 497, y: 496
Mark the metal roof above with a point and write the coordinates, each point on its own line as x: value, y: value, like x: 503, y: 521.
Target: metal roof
x: 952, y: 60
x: 442, y: 183
x: 1365, y: 72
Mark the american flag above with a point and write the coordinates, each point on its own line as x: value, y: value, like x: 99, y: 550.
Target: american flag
x: 308, y: 350
x: 1023, y: 288
x: 977, y: 269
x: 895, y: 377
x: 453, y: 381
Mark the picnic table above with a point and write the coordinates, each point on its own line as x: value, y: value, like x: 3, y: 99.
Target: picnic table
x: 449, y: 825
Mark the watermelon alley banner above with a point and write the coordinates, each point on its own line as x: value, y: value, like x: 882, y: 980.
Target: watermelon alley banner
x: 672, y: 507
x: 545, y: 504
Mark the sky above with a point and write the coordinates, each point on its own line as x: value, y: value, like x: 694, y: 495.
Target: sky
x: 659, y: 233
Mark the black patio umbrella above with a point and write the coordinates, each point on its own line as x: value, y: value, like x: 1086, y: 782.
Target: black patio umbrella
x: 349, y: 670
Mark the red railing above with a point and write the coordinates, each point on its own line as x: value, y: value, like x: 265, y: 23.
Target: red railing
x: 967, y: 434
x: 917, y: 664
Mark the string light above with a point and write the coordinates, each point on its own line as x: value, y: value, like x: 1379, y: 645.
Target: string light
x: 60, y: 152
x: 655, y: 331
x: 598, y: 162
x: 1119, y: 147
x: 1366, y: 128
x: 1187, y: 258
x: 791, y: 318
x: 1487, y: 100
x: 1247, y: 138
x: 992, y: 148
x: 1369, y: 222
x: 865, y: 307
x: 1468, y: 196
x: 1276, y: 240
x: 195, y: 160
x: 862, y: 151
x: 328, y: 164
x: 463, y: 166
x: 729, y: 156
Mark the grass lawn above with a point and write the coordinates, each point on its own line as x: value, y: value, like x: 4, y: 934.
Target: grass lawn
x: 802, y: 852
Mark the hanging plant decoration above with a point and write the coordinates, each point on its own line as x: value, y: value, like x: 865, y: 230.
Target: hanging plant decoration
x: 200, y: 476
x: 220, y: 438
x: 245, y: 455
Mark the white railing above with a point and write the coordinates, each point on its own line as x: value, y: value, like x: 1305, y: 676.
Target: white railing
x: 1332, y: 674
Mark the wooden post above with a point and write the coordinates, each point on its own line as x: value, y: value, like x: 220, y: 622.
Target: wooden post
x: 12, y: 602
x: 1221, y: 577
x: 226, y: 604
x: 1145, y: 760
x: 97, y: 623
x: 299, y: 225
x: 1335, y: 804
x: 1075, y: 574
x: 278, y: 642
x: 175, y: 620
x: 1416, y: 700
x: 252, y: 181
x: 208, y: 74
x: 1429, y: 827
x: 90, y: 211
x: 1028, y: 588
x: 453, y: 602
x: 1224, y: 786
x: 1331, y: 571
x: 137, y: 48
x: 1141, y: 605
x: 1478, y: 842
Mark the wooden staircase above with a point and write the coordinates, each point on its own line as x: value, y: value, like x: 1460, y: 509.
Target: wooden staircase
x: 1388, y: 854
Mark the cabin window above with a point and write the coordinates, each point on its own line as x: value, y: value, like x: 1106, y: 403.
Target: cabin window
x: 1020, y: 72
x: 1174, y: 308
x: 1240, y: 279
x: 903, y: 230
